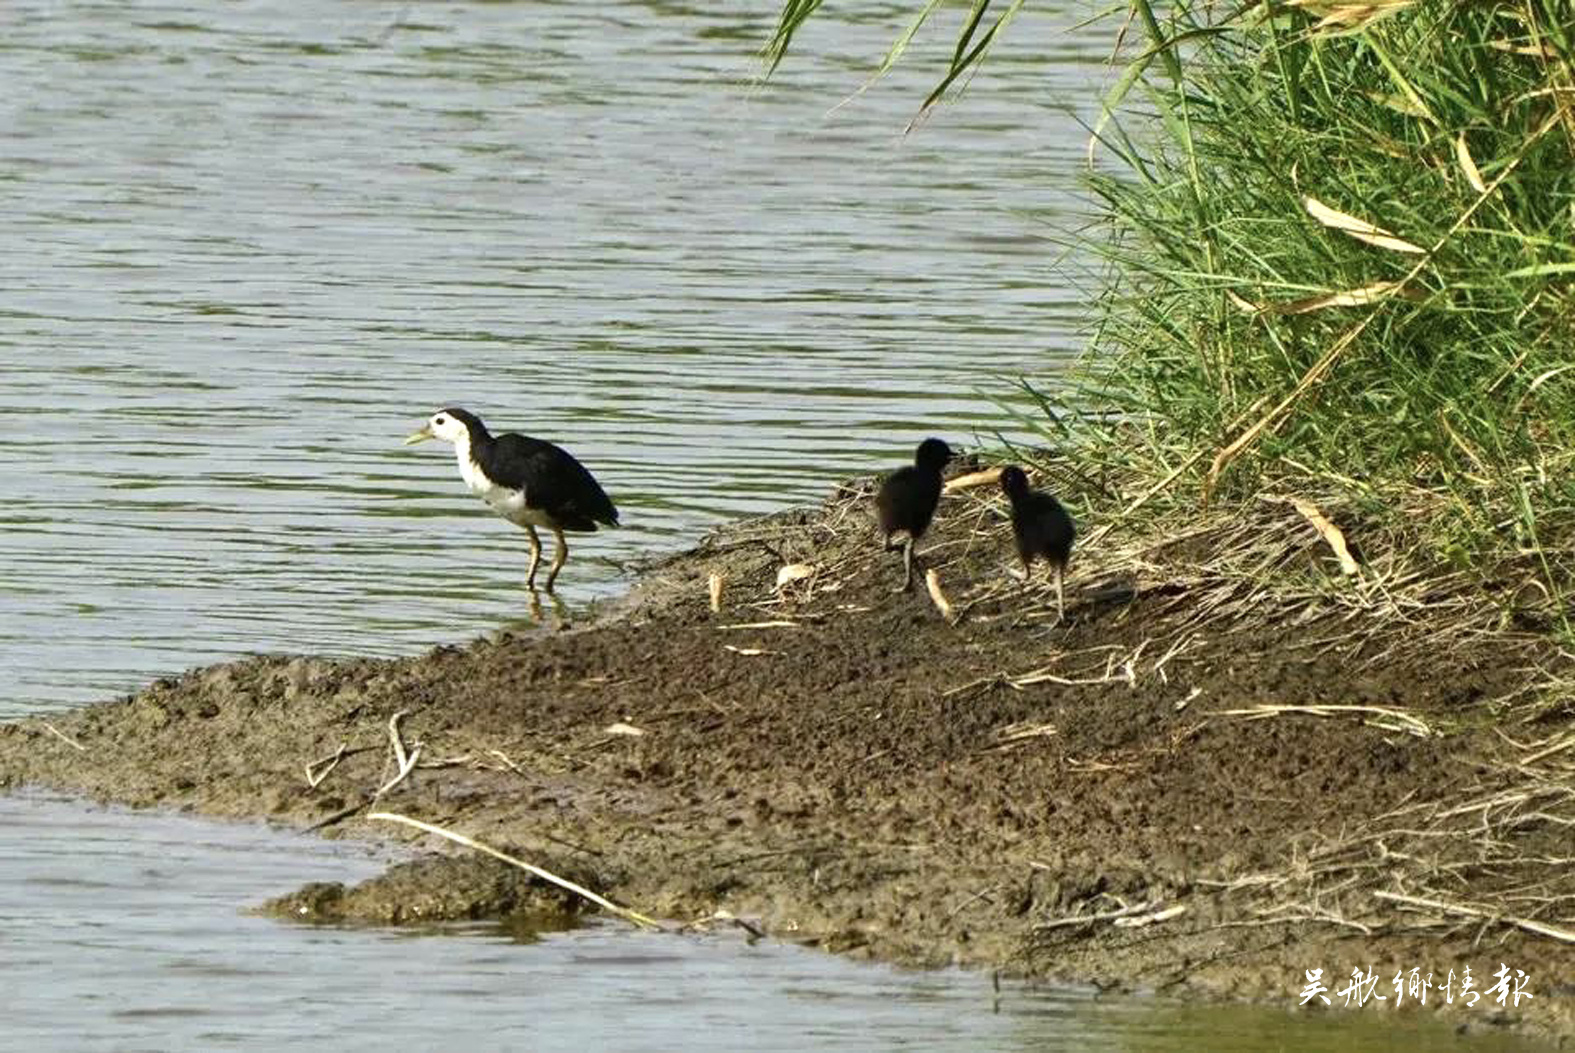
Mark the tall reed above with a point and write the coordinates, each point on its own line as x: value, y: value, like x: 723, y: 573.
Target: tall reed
x: 1339, y: 248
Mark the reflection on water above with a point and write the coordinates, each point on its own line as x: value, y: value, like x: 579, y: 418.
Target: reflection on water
x: 255, y: 244
x: 125, y: 934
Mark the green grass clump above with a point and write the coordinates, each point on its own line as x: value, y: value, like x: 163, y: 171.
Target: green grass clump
x: 1340, y: 249
x: 1342, y: 255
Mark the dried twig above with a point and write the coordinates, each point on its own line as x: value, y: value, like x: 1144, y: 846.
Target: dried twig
x: 1138, y: 921
x: 314, y: 777
x: 510, y: 765
x: 1403, y: 721
x: 63, y: 737
x: 1088, y: 919
x: 1540, y: 928
x: 633, y: 917
x: 405, y: 761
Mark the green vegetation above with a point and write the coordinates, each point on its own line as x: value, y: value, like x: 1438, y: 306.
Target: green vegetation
x: 1341, y: 249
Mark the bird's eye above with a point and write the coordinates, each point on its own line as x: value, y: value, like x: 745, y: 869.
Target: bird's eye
x: 442, y: 420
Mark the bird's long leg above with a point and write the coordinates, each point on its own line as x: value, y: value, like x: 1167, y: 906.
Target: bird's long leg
x: 559, y: 558
x: 1060, y: 600
x: 1027, y: 578
x: 535, y: 557
x: 907, y: 566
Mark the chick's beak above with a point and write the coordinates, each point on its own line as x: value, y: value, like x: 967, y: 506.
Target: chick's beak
x: 420, y: 436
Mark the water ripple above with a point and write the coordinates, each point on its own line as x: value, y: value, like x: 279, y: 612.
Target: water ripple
x: 261, y: 241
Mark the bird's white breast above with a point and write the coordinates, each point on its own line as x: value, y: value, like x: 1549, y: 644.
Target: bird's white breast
x: 505, y: 500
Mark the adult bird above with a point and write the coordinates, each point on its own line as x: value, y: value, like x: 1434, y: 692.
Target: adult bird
x: 530, y: 482
x: 905, y: 502
x: 1042, y: 527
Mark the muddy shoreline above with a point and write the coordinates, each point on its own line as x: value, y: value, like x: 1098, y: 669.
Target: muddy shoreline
x: 1166, y: 792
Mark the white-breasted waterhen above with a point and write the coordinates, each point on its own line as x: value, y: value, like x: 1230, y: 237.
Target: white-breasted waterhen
x: 530, y: 482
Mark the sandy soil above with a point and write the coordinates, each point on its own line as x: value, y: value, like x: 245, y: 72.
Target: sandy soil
x: 840, y: 765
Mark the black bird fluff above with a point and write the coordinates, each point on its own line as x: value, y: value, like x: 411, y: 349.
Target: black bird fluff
x: 1042, y: 527
x: 906, y: 500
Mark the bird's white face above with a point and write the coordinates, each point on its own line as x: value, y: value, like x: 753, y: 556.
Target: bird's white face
x: 443, y: 426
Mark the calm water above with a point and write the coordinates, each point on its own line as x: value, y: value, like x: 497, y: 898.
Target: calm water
x: 126, y: 936
x: 251, y: 246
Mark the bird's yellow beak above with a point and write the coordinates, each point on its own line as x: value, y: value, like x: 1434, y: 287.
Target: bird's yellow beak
x: 420, y: 436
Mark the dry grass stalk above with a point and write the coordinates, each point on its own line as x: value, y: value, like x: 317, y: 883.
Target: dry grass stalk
x: 1375, y: 292
x: 1017, y: 734
x: 318, y: 770
x: 714, y: 586
x: 1467, y: 165
x: 932, y: 584
x: 1314, y: 374
x: 1537, y: 927
x: 983, y: 477
x: 1329, y: 532
x: 633, y: 917
x: 404, y: 761
x: 63, y: 737
x: 1090, y: 919
x: 1360, y: 229
x: 1397, y: 720
x: 1139, y: 921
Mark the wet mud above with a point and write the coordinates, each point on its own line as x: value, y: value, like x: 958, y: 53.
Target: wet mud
x: 839, y: 765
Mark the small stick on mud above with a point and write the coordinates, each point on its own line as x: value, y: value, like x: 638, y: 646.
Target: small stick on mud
x: 714, y: 587
x: 1558, y: 747
x: 1402, y: 721
x: 504, y: 757
x: 314, y: 777
x: 1141, y: 920
x: 1088, y: 919
x: 633, y: 917
x: 63, y: 737
x: 444, y: 762
x: 405, y: 761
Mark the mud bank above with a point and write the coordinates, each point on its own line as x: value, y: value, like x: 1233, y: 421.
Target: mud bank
x: 1186, y: 787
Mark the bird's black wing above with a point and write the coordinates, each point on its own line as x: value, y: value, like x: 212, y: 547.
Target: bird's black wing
x: 552, y: 480
x: 907, y: 500
x: 1043, y: 527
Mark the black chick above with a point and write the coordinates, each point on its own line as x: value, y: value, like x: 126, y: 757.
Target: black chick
x: 906, y: 501
x: 1042, y: 527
